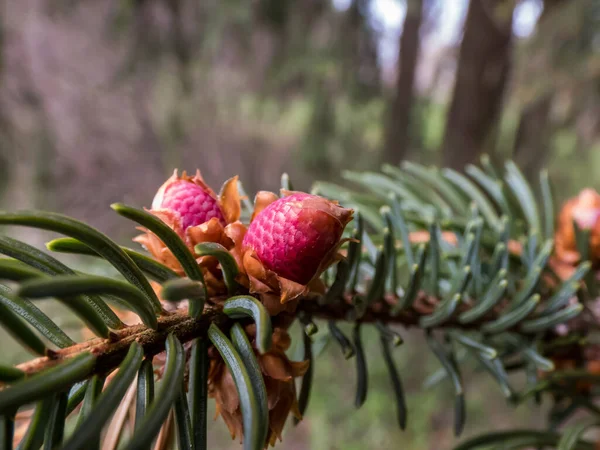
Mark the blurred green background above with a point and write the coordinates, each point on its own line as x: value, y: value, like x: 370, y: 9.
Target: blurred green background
x: 101, y: 100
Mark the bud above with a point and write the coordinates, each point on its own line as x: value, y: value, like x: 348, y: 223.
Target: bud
x: 190, y: 207
x: 295, y: 236
x: 584, y: 210
x: 193, y: 201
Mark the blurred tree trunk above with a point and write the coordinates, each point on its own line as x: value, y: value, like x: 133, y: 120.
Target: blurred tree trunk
x: 359, y: 44
x: 283, y: 34
x: 398, y: 126
x: 483, y: 67
x: 316, y: 144
x: 532, y: 137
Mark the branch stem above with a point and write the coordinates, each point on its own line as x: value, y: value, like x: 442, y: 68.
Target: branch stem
x: 110, y: 352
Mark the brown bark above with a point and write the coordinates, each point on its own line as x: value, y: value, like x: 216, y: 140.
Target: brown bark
x: 398, y: 127
x: 110, y: 352
x: 483, y: 68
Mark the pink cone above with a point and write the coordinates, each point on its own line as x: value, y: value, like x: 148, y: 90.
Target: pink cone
x: 193, y: 204
x: 295, y: 234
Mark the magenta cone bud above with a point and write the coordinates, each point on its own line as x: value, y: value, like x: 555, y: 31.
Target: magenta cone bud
x: 193, y: 201
x: 295, y: 235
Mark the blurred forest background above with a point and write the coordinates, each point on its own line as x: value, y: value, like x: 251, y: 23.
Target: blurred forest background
x: 100, y: 100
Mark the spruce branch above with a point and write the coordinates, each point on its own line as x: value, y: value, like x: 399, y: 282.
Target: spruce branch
x: 110, y: 352
x: 461, y: 259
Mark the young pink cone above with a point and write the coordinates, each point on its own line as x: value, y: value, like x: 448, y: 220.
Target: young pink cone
x: 192, y: 209
x: 189, y: 197
x: 296, y: 237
